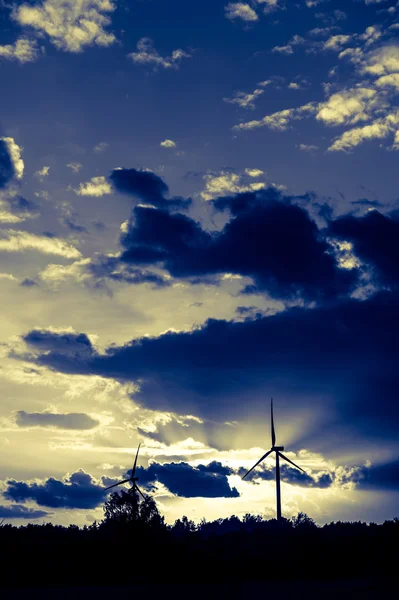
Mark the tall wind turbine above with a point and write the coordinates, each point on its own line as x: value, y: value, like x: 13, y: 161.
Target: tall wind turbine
x: 279, y: 454
x: 133, y: 480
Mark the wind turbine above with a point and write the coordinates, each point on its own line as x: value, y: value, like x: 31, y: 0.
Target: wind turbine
x: 132, y: 478
x: 279, y: 454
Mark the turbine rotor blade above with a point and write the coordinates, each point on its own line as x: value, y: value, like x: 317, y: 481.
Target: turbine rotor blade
x: 116, y: 484
x: 135, y: 460
x: 259, y: 461
x: 139, y: 491
x: 273, y: 432
x: 290, y: 461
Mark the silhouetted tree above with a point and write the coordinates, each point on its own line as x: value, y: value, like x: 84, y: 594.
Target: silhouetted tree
x: 124, y: 508
x: 183, y: 526
x: 303, y: 522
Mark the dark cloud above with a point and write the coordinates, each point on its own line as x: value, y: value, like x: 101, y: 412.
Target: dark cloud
x: 290, y: 475
x: 367, y: 203
x: 377, y: 477
x: 267, y: 238
x: 79, y: 421
x: 18, y: 511
x: 146, y: 186
x: 111, y: 268
x: 22, y: 206
x: 27, y: 282
x: 343, y: 355
x: 205, y: 481
x: 375, y: 238
x: 78, y: 491
x: 75, y: 227
x: 66, y: 343
x: 7, y: 170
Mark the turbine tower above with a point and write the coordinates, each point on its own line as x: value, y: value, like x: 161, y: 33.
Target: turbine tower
x: 279, y: 454
x: 132, y: 478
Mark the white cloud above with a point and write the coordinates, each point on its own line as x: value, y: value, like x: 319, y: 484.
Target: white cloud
x: 391, y: 80
x: 226, y: 183
x: 147, y: 55
x: 269, y: 5
x: 97, y: 186
x: 308, y: 148
x: 283, y: 49
x: 43, y: 172
x: 74, y: 166
x: 15, y: 152
x: 8, y: 217
x: 70, y: 24
x: 347, y: 107
x: 168, y: 144
x: 245, y: 100
x: 335, y: 42
x: 280, y: 121
x: 100, y: 147
x: 383, y: 61
x: 240, y: 10
x: 13, y: 240
x: 379, y: 129
x: 23, y: 50
x: 296, y: 40
x: 254, y: 172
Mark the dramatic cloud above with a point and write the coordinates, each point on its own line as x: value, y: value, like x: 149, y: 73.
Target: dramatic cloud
x: 147, y: 55
x: 12, y: 240
x: 377, y: 477
x: 375, y: 238
x: 95, y: 273
x: 301, y: 354
x: 267, y: 238
x: 292, y: 476
x: 23, y: 51
x: 19, y: 511
x: 67, y: 343
x: 69, y: 25
x: 145, y: 185
x: 182, y: 479
x: 78, y: 421
x: 75, y: 491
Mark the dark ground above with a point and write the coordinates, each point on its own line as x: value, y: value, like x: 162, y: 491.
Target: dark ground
x: 321, y: 590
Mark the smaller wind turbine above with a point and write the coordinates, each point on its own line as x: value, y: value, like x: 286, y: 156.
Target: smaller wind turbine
x: 279, y: 454
x: 133, y: 480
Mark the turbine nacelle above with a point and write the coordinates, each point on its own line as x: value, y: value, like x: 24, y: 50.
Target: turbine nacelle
x: 132, y: 479
x: 277, y: 448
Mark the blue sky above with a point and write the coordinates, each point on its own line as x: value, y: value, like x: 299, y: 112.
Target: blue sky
x: 198, y: 210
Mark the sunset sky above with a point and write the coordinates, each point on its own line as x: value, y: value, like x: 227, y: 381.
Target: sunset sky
x: 198, y: 212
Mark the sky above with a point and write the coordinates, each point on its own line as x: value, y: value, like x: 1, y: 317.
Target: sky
x: 199, y: 212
